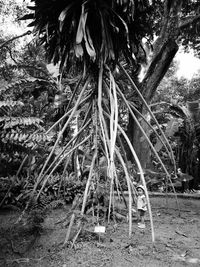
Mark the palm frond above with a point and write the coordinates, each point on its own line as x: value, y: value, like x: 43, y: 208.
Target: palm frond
x: 91, y: 31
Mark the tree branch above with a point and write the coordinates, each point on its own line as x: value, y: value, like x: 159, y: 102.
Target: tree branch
x: 10, y: 53
x: 14, y: 38
x: 190, y: 21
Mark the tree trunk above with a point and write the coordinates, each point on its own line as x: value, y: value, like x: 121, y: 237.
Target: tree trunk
x: 165, y: 49
x: 139, y: 142
x: 155, y: 73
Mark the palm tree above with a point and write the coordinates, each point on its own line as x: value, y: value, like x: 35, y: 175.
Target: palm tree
x: 93, y: 40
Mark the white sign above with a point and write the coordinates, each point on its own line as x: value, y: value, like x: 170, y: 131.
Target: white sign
x: 99, y: 229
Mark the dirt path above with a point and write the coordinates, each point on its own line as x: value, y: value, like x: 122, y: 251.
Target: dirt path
x: 177, y: 241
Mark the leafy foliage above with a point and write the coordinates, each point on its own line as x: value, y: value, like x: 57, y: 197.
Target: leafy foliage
x: 177, y: 100
x: 17, y: 129
x: 69, y: 32
x: 187, y: 136
x: 20, y: 131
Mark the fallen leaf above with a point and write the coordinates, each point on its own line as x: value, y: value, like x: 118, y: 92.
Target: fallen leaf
x: 180, y: 233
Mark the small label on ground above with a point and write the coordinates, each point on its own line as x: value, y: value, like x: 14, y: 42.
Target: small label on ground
x: 99, y: 229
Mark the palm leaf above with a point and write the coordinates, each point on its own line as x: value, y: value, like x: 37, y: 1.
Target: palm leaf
x: 90, y: 30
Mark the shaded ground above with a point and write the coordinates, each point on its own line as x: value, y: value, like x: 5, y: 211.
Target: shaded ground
x: 177, y: 241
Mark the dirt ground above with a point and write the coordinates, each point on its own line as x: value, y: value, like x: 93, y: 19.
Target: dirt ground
x: 177, y: 241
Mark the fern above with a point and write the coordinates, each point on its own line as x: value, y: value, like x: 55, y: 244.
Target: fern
x: 10, y: 103
x: 7, y: 106
x: 41, y: 203
x: 37, y: 213
x: 55, y: 204
x: 20, y: 130
x: 29, y: 87
x: 26, y: 139
x: 10, y: 122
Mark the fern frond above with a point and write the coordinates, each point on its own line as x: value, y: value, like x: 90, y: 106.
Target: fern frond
x: 55, y: 204
x: 41, y: 137
x: 12, y: 84
x: 10, y: 122
x: 10, y: 103
x: 27, y: 139
x: 19, y: 83
x: 13, y: 136
x: 7, y: 106
x: 28, y: 86
x: 40, y: 204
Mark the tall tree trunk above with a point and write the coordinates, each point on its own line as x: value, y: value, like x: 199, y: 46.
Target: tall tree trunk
x: 165, y: 49
x: 149, y: 87
x: 139, y: 142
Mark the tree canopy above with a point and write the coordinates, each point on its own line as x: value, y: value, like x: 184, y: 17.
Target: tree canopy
x: 103, y: 30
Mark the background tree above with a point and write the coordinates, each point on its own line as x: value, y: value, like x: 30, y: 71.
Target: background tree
x: 175, y: 23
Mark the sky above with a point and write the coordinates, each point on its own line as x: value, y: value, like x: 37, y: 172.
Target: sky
x: 189, y: 65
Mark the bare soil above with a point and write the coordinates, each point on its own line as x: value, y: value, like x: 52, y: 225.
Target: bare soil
x: 177, y: 240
